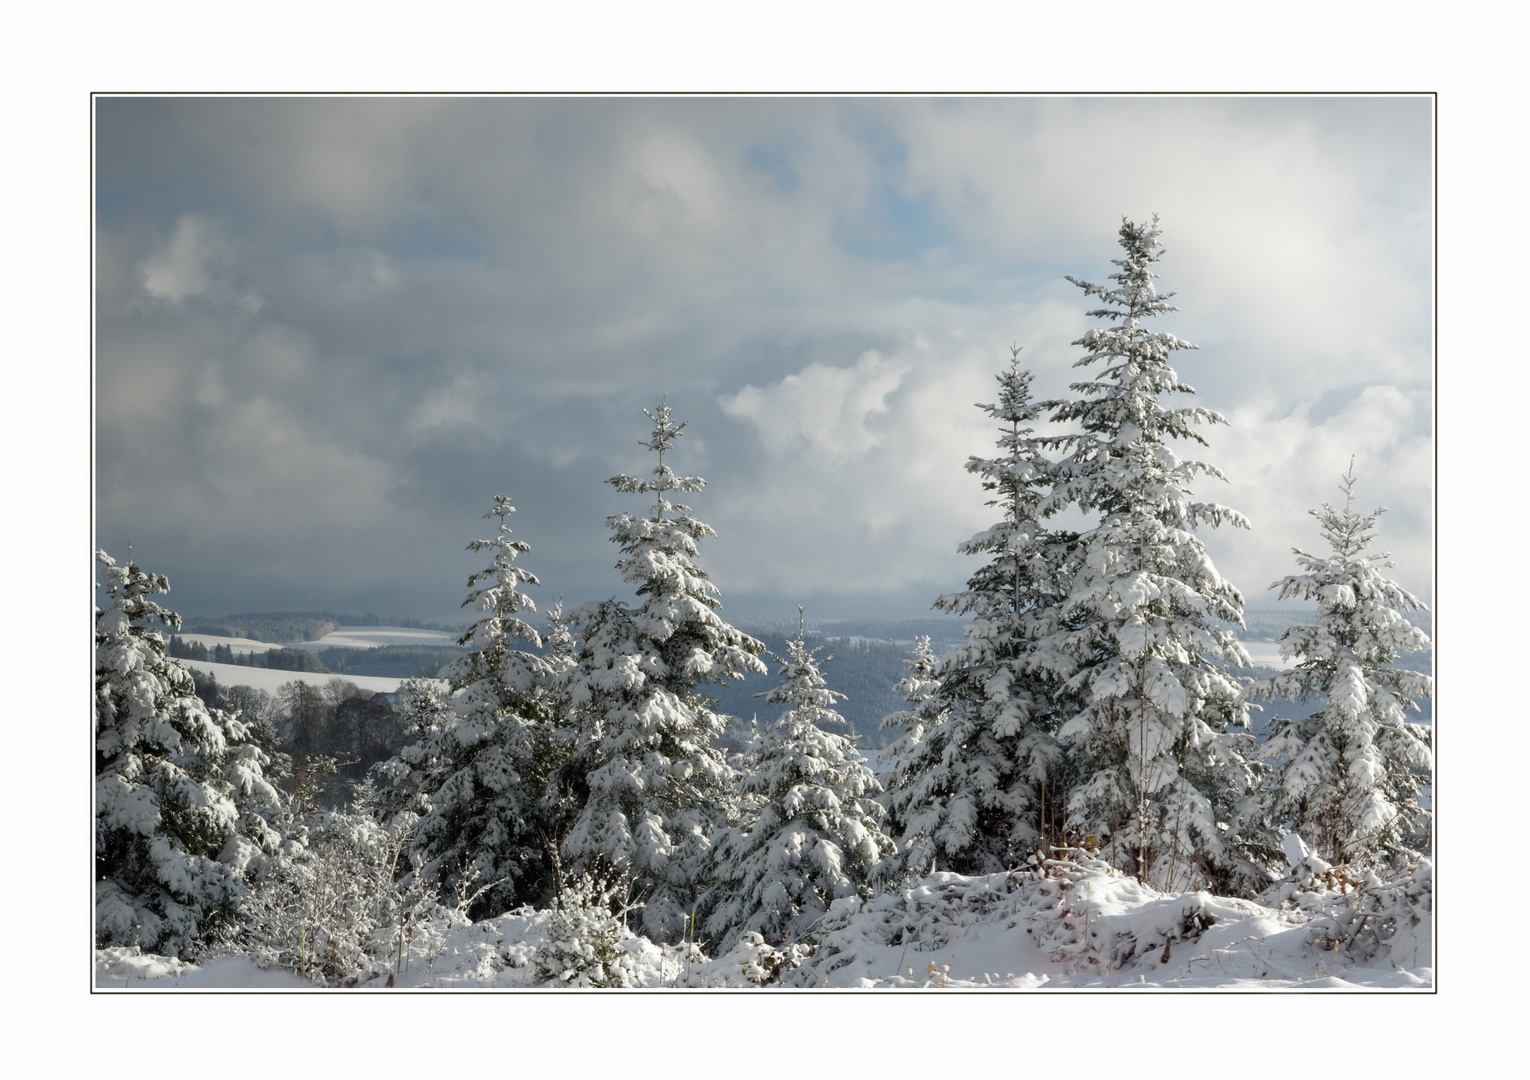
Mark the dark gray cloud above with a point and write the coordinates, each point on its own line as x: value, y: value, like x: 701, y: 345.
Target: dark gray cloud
x: 329, y: 331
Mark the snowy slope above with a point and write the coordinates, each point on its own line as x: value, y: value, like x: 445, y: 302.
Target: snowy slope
x: 127, y: 968
x: 342, y: 637
x: 269, y: 679
x: 372, y: 637
x: 1089, y: 927
x: 238, y: 645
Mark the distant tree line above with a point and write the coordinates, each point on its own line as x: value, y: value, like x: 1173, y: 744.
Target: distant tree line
x: 388, y: 661
x: 303, y: 722
x: 391, y: 661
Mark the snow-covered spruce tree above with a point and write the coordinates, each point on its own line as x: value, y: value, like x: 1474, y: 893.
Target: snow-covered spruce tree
x: 489, y: 765
x: 178, y: 834
x: 425, y: 706
x: 978, y: 790
x: 916, y: 854
x: 1158, y: 749
x: 651, y: 783
x: 558, y: 788
x: 1347, y: 778
x: 817, y: 835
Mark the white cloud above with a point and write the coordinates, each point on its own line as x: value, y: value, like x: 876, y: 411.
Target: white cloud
x: 197, y: 259
x: 863, y: 489
x: 505, y: 282
x: 456, y: 404
x: 1280, y: 466
x: 821, y: 408
x: 183, y: 265
x: 679, y: 181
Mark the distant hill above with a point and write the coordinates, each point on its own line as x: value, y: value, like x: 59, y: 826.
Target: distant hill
x: 284, y: 627
x: 1269, y: 625
x: 868, y: 657
x: 940, y: 629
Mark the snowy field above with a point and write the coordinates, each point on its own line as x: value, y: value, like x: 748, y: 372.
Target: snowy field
x: 269, y: 679
x: 1084, y: 927
x: 238, y: 645
x: 342, y: 637
x: 372, y: 637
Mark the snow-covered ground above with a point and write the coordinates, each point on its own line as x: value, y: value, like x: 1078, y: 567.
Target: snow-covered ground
x: 128, y: 968
x: 1263, y: 653
x: 342, y: 637
x: 1083, y: 927
x: 371, y: 637
x: 239, y: 645
x: 269, y: 679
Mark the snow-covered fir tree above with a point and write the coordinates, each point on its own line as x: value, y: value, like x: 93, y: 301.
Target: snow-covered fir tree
x: 977, y: 788
x: 1347, y: 778
x: 1159, y: 748
x: 817, y: 835
x: 425, y: 707
x: 179, y: 831
x: 651, y: 783
x: 489, y: 765
x: 916, y: 852
x: 559, y: 787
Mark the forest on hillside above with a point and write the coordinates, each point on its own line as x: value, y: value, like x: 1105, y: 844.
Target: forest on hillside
x: 574, y: 794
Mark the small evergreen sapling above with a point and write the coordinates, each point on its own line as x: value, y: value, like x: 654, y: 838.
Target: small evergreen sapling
x: 558, y: 786
x: 584, y: 941
x: 1348, y: 778
x: 817, y: 834
x: 1159, y: 742
x: 181, y: 802
x: 651, y: 783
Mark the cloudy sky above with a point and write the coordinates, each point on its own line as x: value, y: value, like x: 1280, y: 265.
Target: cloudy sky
x: 328, y: 332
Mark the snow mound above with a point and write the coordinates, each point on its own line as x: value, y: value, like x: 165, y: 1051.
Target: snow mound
x: 1083, y: 924
x: 128, y: 968
x: 272, y: 679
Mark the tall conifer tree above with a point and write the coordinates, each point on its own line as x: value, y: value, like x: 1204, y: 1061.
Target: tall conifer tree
x: 485, y: 767
x: 1159, y: 745
x: 1348, y: 777
x: 816, y: 834
x: 652, y: 784
x: 179, y: 790
x: 973, y: 791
